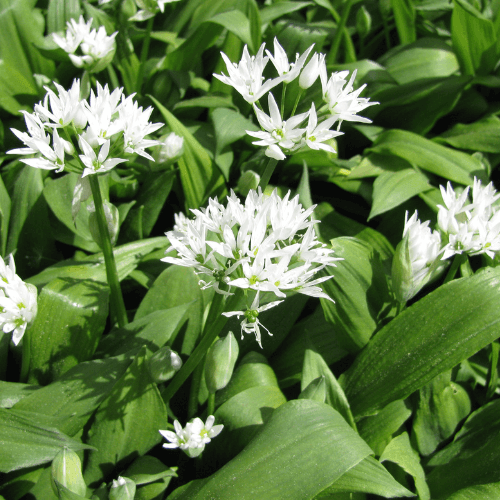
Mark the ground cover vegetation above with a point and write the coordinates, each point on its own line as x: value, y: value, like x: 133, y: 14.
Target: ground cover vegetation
x: 249, y: 249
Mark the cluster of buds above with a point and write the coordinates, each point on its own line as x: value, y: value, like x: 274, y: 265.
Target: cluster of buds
x: 87, y: 48
x: 92, y: 132
x: 464, y: 228
x: 192, y: 438
x: 280, y: 136
x: 18, y: 301
x: 267, y: 244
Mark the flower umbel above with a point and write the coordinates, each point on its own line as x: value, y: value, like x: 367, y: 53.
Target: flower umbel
x: 192, y: 438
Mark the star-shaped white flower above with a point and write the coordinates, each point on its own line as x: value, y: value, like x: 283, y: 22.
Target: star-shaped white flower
x: 289, y: 71
x: 97, y: 163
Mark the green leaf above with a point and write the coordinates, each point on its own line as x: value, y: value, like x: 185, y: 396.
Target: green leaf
x: 433, y: 335
x: 301, y: 435
x: 480, y: 492
x: 133, y: 404
x: 314, y: 367
x: 149, y: 202
x: 13, y: 392
x: 400, y: 452
x: 360, y: 291
x: 4, y: 217
x: 61, y: 11
x: 472, y: 458
x: 127, y: 258
x: 442, y: 405
x: 75, y: 313
x: 198, y: 176
x: 392, y: 189
x: 440, y: 160
x: 239, y: 24
x: 482, y: 135
x: 151, y: 476
x: 24, y: 443
x: 377, y: 430
x: 474, y: 39
x: 74, y: 397
x: 271, y: 12
x: 404, y: 15
x: 369, y: 476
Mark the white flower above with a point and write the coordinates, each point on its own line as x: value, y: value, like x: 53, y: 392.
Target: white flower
x: 170, y: 148
x: 18, y: 301
x: 311, y: 72
x: 251, y: 323
x: 344, y: 103
x: 278, y: 134
x: 424, y: 246
x: 289, y: 71
x: 316, y: 134
x: 246, y: 77
x: 97, y: 163
x: 75, y: 33
x: 193, y: 438
x: 149, y: 8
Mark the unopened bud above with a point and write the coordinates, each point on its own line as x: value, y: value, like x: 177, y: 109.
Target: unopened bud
x: 363, y: 22
x: 249, y: 180
x: 220, y: 361
x: 402, y: 275
x: 122, y: 488
x: 163, y: 364
x: 67, y: 470
x: 171, y: 148
x: 311, y: 71
x: 112, y: 220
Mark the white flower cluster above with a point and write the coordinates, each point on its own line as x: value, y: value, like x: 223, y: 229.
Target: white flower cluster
x: 96, y: 48
x: 267, y: 244
x: 18, y: 301
x: 193, y: 438
x: 465, y: 227
x: 91, y: 132
x: 281, y: 136
x: 149, y: 8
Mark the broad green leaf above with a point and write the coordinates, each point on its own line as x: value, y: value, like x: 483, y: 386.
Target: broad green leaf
x: 425, y: 58
x: 374, y: 164
x: 474, y: 39
x: 316, y: 390
x: 288, y: 359
x: 151, y: 476
x: 153, y: 331
x: 208, y: 101
x: 482, y: 135
x: 74, y: 397
x: 442, y: 405
x: 239, y: 24
x: 440, y: 160
x: 252, y: 371
x: 149, y: 202
x: 433, y: 335
x: 177, y: 286
x: 377, y: 430
x: 126, y: 424
x: 392, y: 189
x: 4, y: 217
x: 301, y: 435
x: 198, y: 176
x: 404, y: 15
x: 271, y: 12
x: 400, y: 452
x: 61, y: 11
x: 18, y: 483
x: 71, y: 318
x: 369, y: 476
x: 314, y: 367
x: 480, y: 492
x: 127, y: 258
x: 13, y: 392
x: 24, y: 443
x: 472, y: 458
x: 360, y: 291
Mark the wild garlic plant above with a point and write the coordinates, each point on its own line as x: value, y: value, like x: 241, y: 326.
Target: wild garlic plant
x: 465, y: 228
x: 284, y: 135
x: 67, y: 132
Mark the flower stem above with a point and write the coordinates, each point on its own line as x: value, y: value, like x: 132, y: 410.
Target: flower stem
x: 25, y: 364
x: 492, y: 377
x: 332, y: 55
x: 283, y: 93
x: 211, y: 403
x: 268, y: 172
x: 213, y: 326
x: 144, y: 53
x: 117, y: 302
x: 299, y: 95
x: 457, y: 261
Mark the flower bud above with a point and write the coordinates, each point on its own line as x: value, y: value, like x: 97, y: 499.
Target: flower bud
x: 163, y: 364
x: 311, y: 72
x: 363, y: 22
x: 171, y: 148
x: 122, y: 488
x: 220, y: 361
x: 249, y: 180
x: 67, y: 470
x: 112, y: 220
